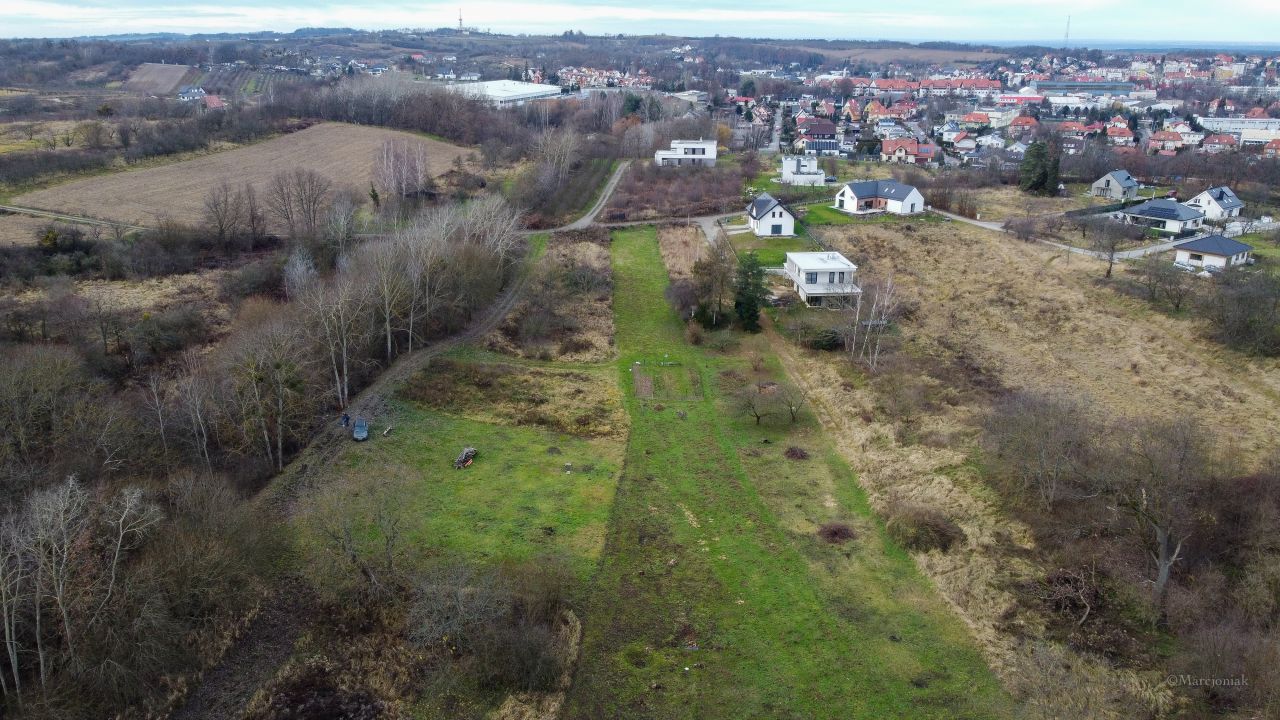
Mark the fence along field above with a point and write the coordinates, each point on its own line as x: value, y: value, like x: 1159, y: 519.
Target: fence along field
x: 342, y: 153
x: 157, y: 78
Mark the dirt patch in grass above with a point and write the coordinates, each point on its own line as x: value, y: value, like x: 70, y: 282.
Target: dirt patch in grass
x: 342, y: 153
x: 571, y: 402
x: 568, y: 312
x: 796, y: 453
x: 836, y: 533
x: 681, y: 247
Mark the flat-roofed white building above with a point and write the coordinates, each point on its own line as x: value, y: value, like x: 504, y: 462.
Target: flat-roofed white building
x: 687, y: 152
x: 821, y: 278
x: 508, y: 92
x: 802, y: 170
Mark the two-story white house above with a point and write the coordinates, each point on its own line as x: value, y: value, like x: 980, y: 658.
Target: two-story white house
x: 767, y: 217
x: 1214, y: 252
x: 821, y: 278
x: 687, y: 152
x: 874, y: 196
x: 1217, y: 203
x: 802, y: 170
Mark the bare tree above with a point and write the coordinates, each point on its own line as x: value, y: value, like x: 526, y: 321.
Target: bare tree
x: 383, y: 264
x: 58, y: 516
x: 255, y: 222
x: 757, y: 401
x: 298, y: 200
x: 194, y: 392
x: 339, y: 310
x: 869, y: 315
x: 224, y: 212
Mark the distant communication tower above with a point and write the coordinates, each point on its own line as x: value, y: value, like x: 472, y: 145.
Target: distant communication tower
x: 1066, y: 36
x: 459, y: 19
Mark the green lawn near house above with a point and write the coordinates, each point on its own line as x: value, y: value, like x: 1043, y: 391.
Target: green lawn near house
x: 715, y: 598
x: 772, y: 251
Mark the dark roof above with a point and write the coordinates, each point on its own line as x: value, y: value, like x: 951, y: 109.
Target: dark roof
x: 1215, y: 245
x: 761, y: 205
x: 887, y: 189
x: 1225, y: 197
x: 1164, y: 209
x: 1123, y: 178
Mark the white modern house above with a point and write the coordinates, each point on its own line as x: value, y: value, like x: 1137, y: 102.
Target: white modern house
x: 1165, y: 215
x: 864, y: 197
x: 1212, y: 252
x: 767, y: 217
x: 1217, y: 203
x: 1116, y: 185
x: 802, y: 170
x: 821, y: 278
x: 687, y: 152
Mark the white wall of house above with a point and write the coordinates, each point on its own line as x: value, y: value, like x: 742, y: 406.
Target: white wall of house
x: 913, y: 203
x: 777, y: 222
x: 1210, y: 207
x: 687, y: 152
x: 821, y: 278
x: 801, y: 171
x: 1195, y: 259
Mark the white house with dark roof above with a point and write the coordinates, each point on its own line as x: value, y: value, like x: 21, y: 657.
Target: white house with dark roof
x: 863, y: 197
x: 1212, y: 252
x: 1116, y: 185
x: 821, y: 278
x: 1165, y: 215
x: 767, y: 217
x: 1217, y: 203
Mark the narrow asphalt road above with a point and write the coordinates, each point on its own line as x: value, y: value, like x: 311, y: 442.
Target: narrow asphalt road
x: 1133, y: 254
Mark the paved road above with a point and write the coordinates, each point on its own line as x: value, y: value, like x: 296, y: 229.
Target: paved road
x: 1133, y: 254
x: 75, y: 219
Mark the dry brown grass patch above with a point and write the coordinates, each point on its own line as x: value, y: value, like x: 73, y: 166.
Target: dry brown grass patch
x: 567, y: 401
x: 20, y: 230
x: 681, y: 247
x: 342, y: 153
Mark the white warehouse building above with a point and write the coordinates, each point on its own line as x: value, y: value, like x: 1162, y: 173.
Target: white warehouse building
x: 505, y: 93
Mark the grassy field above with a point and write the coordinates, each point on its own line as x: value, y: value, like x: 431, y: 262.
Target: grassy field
x: 343, y: 153
x: 772, y: 251
x: 715, y: 598
x: 823, y: 214
x: 1002, y: 202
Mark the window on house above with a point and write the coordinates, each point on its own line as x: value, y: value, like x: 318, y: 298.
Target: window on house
x: 842, y: 278
x: 810, y: 278
x: 831, y: 277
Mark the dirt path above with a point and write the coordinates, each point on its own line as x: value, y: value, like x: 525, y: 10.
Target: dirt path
x: 254, y: 659
x: 63, y: 217
x: 586, y: 220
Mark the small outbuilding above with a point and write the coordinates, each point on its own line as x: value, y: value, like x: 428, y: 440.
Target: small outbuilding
x: 1212, y: 252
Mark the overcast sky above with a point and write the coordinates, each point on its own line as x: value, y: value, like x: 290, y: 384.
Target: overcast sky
x: 1242, y: 21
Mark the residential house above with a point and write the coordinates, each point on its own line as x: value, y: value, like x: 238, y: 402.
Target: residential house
x: 822, y: 278
x: 1271, y: 150
x: 1072, y: 145
x: 975, y: 120
x: 1165, y: 215
x: 876, y: 196
x: 687, y: 152
x: 964, y: 143
x: 1217, y: 203
x: 1215, y: 144
x: 1213, y: 252
x: 767, y: 217
x: 212, y: 103
x: 950, y: 131
x: 1120, y: 135
x: 1164, y: 140
x: 1118, y: 121
x: 1116, y: 185
x: 1022, y: 124
x: 818, y: 137
x: 191, y: 93
x: 802, y: 170
x: 874, y: 111
x: 852, y: 111
x: 1190, y: 136
x: 1072, y: 129
x: 1017, y: 150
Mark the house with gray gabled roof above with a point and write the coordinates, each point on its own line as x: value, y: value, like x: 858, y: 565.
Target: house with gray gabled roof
x: 767, y: 217
x: 1165, y: 215
x: 863, y: 197
x: 1116, y: 185
x: 1217, y: 203
x: 1212, y: 251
